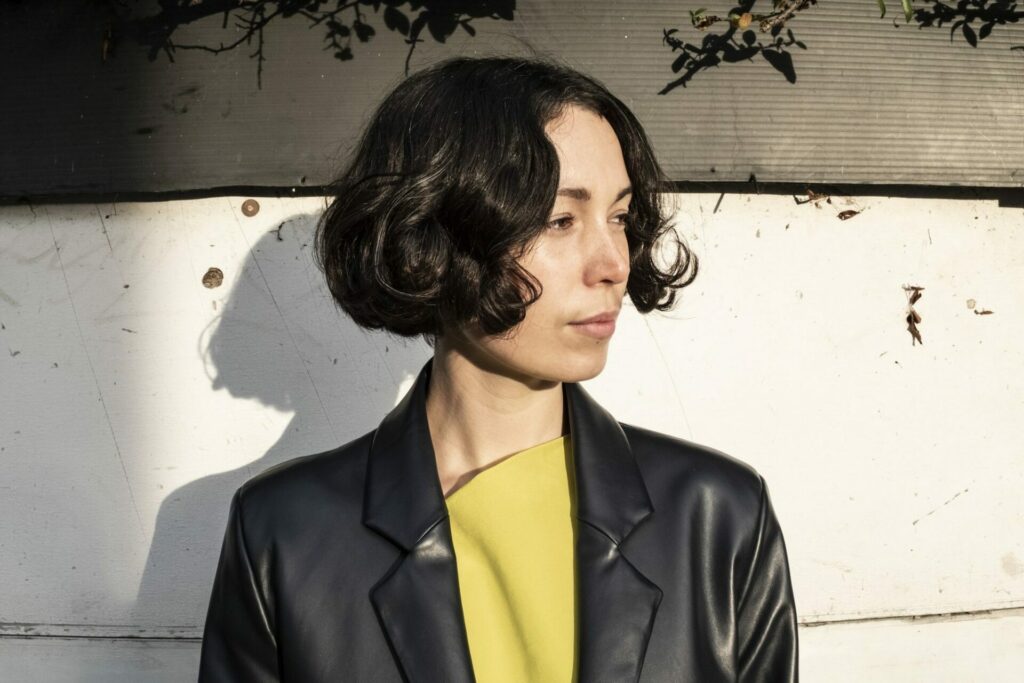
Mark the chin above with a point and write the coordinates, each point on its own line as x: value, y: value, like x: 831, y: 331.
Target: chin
x: 579, y: 367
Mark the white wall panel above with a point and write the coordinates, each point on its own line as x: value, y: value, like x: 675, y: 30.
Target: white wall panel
x: 895, y: 468
x: 987, y: 648
x: 120, y: 461
x: 128, y: 415
x: 89, y: 660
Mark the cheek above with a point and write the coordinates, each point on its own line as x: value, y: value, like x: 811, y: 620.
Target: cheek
x: 550, y: 271
x: 545, y: 315
x: 554, y: 306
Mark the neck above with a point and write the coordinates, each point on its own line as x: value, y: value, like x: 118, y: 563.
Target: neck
x: 479, y: 414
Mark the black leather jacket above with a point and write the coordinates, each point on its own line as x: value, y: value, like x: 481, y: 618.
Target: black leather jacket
x: 339, y: 566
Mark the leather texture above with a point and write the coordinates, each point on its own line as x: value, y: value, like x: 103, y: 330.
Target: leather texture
x: 339, y: 566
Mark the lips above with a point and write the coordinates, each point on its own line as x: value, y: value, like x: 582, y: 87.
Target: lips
x: 605, y: 317
x: 600, y: 326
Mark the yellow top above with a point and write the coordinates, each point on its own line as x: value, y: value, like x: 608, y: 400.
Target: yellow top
x: 513, y: 533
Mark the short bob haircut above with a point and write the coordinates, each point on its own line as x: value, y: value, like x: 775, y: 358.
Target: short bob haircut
x: 452, y: 180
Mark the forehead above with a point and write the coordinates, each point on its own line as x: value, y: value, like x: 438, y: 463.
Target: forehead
x: 588, y: 149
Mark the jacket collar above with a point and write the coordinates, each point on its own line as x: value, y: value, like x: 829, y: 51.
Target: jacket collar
x: 418, y: 600
x: 404, y: 498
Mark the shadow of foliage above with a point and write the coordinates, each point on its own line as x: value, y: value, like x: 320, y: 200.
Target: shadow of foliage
x: 738, y: 43
x: 344, y: 24
x: 965, y: 13
x: 735, y: 44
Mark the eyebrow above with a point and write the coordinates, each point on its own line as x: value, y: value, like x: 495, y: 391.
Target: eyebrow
x: 583, y: 194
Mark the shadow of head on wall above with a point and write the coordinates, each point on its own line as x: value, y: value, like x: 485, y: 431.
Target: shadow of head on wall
x: 279, y: 342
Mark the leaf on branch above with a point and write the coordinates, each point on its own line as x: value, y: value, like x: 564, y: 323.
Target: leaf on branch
x: 969, y: 34
x: 732, y: 54
x: 441, y: 26
x: 782, y: 61
x: 908, y: 10
x: 396, y: 20
x: 679, y: 62
x: 363, y: 31
x: 417, y: 26
x: 338, y: 28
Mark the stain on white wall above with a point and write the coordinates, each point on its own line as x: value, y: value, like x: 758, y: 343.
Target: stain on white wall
x: 134, y: 399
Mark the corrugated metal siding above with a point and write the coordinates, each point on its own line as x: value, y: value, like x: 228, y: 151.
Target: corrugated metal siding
x: 872, y: 103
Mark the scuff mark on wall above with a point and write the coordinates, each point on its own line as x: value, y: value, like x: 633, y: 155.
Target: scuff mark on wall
x: 816, y: 198
x: 950, y: 500
x: 1012, y: 565
x: 214, y: 277
x: 913, y: 318
x: 103, y: 228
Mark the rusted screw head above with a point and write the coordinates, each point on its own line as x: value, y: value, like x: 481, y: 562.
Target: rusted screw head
x: 250, y: 207
x: 214, y: 277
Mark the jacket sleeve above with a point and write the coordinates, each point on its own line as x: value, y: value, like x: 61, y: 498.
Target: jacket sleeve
x: 239, y: 643
x: 766, y: 611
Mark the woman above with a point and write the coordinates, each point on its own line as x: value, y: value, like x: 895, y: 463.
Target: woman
x: 499, y: 524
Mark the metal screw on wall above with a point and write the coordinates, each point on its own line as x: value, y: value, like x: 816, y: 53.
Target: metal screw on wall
x: 250, y: 207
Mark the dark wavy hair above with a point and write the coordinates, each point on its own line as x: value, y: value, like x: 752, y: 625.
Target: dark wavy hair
x: 451, y: 181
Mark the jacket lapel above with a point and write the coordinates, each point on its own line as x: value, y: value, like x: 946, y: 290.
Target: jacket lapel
x: 418, y: 602
x: 616, y: 602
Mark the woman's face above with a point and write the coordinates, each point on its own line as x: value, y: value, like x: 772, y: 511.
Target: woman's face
x: 581, y: 261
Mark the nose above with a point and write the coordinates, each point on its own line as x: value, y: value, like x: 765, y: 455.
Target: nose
x: 608, y: 259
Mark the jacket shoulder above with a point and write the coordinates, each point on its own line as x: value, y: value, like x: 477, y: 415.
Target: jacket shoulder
x: 672, y: 466
x: 308, y: 487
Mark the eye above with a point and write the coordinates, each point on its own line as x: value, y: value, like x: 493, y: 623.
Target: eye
x: 561, y: 223
x: 622, y: 219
